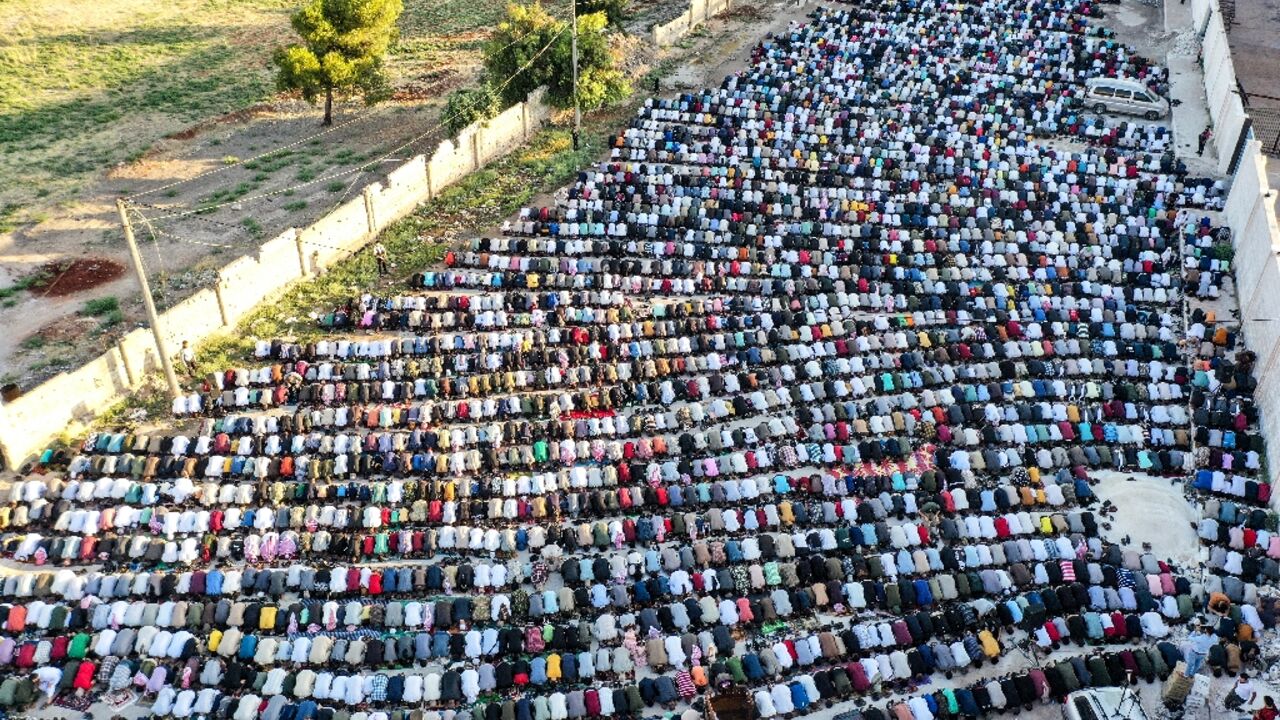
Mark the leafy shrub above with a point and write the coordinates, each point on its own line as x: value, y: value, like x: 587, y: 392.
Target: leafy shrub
x: 614, y: 10
x: 468, y: 105
x: 100, y: 306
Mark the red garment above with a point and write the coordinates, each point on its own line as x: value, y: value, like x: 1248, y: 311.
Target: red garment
x: 1117, y: 619
x: 1002, y: 527
x: 26, y: 657
x: 17, y: 619
x: 84, y: 676
x: 858, y: 676
x: 948, y: 502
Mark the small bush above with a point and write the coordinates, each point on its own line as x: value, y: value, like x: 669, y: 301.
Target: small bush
x: 335, y: 186
x: 614, y: 10
x: 468, y: 105
x: 35, y: 342
x: 254, y: 228
x: 296, y: 205
x: 111, y: 319
x: 100, y: 306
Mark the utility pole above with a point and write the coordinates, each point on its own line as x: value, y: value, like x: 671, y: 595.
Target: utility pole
x: 174, y: 391
x: 577, y: 110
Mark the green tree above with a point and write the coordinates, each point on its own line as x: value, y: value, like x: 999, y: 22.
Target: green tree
x: 341, y: 53
x: 467, y: 105
x: 533, y: 49
x: 600, y: 82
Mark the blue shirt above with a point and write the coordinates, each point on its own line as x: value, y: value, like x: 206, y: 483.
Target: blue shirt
x: 1201, y: 643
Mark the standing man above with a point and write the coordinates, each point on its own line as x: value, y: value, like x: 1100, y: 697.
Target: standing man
x: 1204, y: 140
x: 380, y: 254
x: 188, y: 357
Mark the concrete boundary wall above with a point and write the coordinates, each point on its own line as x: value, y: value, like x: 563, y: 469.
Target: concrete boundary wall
x: 698, y: 12
x: 32, y: 421
x: 1250, y: 216
x: 1225, y: 107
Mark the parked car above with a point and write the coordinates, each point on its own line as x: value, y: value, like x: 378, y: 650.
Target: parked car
x: 1124, y: 96
x: 1108, y: 703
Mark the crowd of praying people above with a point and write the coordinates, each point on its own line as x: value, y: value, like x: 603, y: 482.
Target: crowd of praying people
x: 802, y: 390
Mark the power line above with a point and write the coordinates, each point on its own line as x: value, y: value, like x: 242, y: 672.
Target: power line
x: 149, y: 222
x: 365, y: 114
x: 442, y: 123
x: 155, y: 244
x: 171, y: 236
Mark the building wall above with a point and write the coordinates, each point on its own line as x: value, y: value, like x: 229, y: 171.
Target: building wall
x: 1249, y: 214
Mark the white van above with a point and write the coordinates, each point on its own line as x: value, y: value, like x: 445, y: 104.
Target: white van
x: 1124, y: 96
